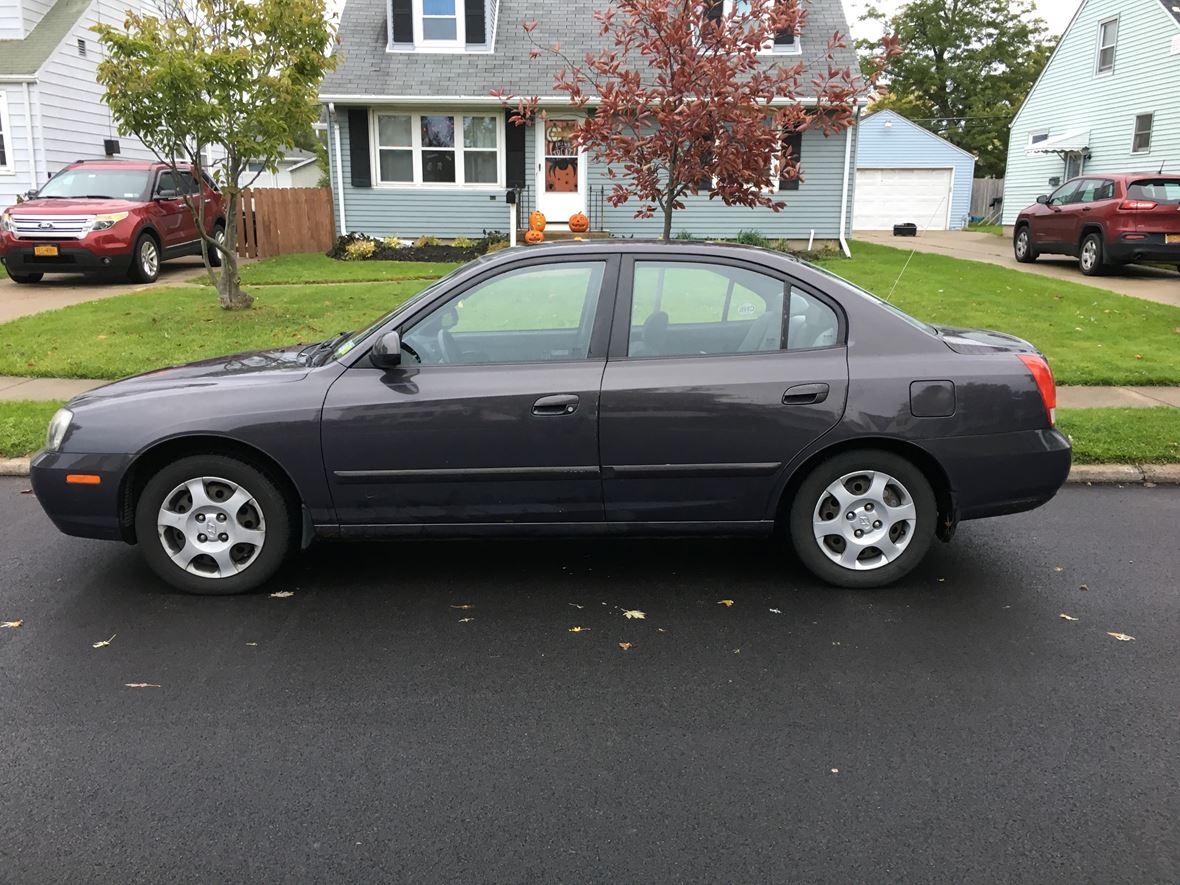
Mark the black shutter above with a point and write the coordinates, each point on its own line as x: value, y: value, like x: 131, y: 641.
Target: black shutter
x: 794, y: 142
x: 514, y: 171
x: 358, y: 147
x: 476, y: 15
x: 403, y: 22
x: 713, y: 12
x: 785, y: 37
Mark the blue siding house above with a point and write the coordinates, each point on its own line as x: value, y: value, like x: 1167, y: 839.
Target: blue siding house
x: 419, y: 146
x: 907, y: 174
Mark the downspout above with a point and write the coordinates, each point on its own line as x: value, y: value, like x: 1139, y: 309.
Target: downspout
x: 339, y: 166
x: 33, y: 172
x: 847, y: 180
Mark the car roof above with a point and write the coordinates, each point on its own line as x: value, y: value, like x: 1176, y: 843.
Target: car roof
x: 679, y: 248
x: 116, y: 163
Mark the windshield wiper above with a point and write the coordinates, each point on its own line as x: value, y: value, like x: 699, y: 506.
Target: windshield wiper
x: 313, y: 351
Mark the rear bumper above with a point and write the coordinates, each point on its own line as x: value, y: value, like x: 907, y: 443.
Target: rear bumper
x: 86, y: 511
x: 1003, y: 472
x: 1151, y: 247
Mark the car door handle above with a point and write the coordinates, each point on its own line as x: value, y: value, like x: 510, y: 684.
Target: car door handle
x: 805, y: 394
x: 558, y: 404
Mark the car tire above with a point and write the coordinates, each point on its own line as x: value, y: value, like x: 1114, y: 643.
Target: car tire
x: 219, y: 236
x: 874, y: 482
x: 202, y: 490
x: 1022, y: 246
x: 24, y: 278
x: 1091, y: 260
x: 145, y: 260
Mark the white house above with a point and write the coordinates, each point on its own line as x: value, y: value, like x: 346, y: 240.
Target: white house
x: 51, y: 108
x: 1107, y: 101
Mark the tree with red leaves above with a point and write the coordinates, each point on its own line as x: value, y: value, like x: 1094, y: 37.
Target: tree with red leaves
x: 685, y: 101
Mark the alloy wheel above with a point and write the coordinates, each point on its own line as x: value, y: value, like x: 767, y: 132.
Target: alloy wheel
x: 211, y: 527
x: 1089, y: 253
x: 864, y: 520
x: 1022, y: 244
x: 149, y: 258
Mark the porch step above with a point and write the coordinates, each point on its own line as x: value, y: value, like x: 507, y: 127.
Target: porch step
x: 556, y: 234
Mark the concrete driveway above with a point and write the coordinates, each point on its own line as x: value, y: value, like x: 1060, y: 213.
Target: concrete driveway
x: 61, y: 291
x: 1138, y: 281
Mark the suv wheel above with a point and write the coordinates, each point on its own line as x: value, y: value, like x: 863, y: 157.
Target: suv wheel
x: 1090, y: 258
x: 25, y: 277
x: 219, y: 237
x: 145, y: 261
x: 1022, y: 245
x: 863, y: 519
x: 213, y: 525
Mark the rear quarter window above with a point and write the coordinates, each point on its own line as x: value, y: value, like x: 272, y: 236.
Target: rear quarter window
x: 1161, y: 190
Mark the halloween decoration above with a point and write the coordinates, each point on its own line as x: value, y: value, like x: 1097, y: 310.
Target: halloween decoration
x: 534, y: 236
x: 579, y: 223
x: 561, y: 175
x: 536, y: 221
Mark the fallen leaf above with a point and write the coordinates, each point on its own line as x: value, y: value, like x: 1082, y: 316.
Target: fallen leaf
x: 466, y: 620
x: 942, y: 580
x: 1066, y: 617
x: 579, y: 629
x: 575, y: 605
x: 12, y: 625
x: 661, y: 630
x: 725, y: 602
x: 26, y: 491
x: 103, y: 643
x: 251, y: 643
x: 632, y: 613
x: 626, y: 646
x: 1121, y: 637
x: 282, y: 594
x: 141, y: 684
x: 1083, y: 587
x: 835, y: 771
x: 1058, y: 568
x: 1138, y: 356
x: 775, y: 611
x: 737, y: 651
x: 464, y: 607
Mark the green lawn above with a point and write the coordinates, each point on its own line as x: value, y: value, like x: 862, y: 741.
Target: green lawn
x: 1122, y: 436
x: 994, y: 229
x: 1091, y: 336
x: 23, y: 426
x: 314, y: 267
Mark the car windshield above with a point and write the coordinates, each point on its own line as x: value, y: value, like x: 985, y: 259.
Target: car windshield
x: 97, y: 183
x: 880, y: 302
x: 356, y: 338
x: 1159, y: 190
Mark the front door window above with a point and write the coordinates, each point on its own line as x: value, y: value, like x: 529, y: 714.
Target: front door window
x: 559, y: 190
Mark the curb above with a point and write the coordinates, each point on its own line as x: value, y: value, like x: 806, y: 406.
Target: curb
x: 1090, y: 474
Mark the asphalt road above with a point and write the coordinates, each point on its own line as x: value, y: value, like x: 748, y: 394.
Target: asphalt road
x: 950, y: 729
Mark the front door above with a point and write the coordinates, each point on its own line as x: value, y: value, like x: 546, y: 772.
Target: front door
x: 718, y: 377
x: 561, y: 170
x: 492, y: 416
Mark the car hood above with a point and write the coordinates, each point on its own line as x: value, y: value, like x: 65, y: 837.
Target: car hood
x: 280, y: 366
x: 972, y: 341
x: 73, y: 207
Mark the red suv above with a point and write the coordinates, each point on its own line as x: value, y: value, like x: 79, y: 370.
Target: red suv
x: 107, y: 216
x: 1104, y: 219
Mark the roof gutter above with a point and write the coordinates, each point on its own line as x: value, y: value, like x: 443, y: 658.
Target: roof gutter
x: 847, y: 179
x: 339, y: 166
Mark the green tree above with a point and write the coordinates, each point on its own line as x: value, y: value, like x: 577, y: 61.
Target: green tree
x: 236, y: 77
x: 964, y: 69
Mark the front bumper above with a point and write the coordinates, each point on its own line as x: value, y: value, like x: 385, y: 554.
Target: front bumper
x: 1143, y: 247
x: 98, y: 253
x: 86, y: 511
x: 1003, y: 472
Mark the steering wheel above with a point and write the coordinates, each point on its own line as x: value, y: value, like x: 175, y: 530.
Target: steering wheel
x: 447, y: 351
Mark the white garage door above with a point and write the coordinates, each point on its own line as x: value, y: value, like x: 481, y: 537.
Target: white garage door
x: 885, y: 197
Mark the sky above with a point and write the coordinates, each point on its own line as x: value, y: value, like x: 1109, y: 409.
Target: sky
x: 1056, y: 13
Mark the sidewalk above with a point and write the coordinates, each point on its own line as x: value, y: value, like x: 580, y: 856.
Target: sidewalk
x: 1067, y: 397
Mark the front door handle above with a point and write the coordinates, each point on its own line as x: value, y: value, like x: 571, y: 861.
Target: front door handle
x: 558, y: 404
x: 806, y: 394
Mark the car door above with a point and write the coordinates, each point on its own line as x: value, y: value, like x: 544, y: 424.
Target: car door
x: 492, y: 416
x: 168, y: 210
x: 720, y: 373
x: 1056, y: 228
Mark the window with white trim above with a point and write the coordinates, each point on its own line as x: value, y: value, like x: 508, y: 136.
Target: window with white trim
x: 440, y: 25
x: 438, y: 149
x: 1141, y: 140
x: 1108, y: 36
x: 6, y: 161
x: 1037, y: 136
x: 440, y: 21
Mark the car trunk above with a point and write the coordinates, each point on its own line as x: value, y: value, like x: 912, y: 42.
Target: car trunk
x: 979, y: 341
x: 1152, y: 205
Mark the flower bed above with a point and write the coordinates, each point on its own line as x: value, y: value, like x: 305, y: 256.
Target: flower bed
x: 361, y: 247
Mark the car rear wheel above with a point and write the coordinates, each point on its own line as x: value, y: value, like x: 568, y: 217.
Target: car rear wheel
x: 25, y: 277
x: 863, y: 519
x: 1022, y: 245
x: 1090, y: 258
x: 145, y: 261
x: 213, y: 525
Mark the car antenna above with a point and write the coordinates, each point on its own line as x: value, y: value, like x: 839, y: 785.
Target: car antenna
x: 1163, y: 163
x: 910, y: 257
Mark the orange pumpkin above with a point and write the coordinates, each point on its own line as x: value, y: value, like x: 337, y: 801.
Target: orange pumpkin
x: 579, y: 223
x: 536, y: 221
x: 534, y: 236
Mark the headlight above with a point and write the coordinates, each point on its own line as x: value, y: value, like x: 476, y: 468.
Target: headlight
x: 106, y: 222
x: 6, y: 223
x: 57, y: 429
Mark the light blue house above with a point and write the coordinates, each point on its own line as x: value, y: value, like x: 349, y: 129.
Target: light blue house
x: 419, y: 146
x: 906, y: 174
x: 1107, y: 101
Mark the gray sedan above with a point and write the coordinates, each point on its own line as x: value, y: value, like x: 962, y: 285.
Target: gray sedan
x: 587, y: 388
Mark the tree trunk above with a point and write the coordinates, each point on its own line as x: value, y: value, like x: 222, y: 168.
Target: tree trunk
x: 668, y: 222
x: 229, y: 286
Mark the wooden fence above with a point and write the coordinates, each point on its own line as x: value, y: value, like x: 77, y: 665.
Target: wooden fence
x: 283, y: 220
x: 987, y: 199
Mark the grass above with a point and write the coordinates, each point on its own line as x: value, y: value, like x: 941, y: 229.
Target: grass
x: 1090, y: 335
x: 314, y: 267
x: 23, y: 425
x: 993, y: 229
x: 1122, y: 436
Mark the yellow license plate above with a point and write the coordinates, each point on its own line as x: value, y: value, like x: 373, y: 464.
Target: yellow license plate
x: 45, y: 251
x: 1171, y: 239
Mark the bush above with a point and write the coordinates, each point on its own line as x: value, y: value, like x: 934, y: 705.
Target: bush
x: 424, y: 241
x: 752, y: 238
x: 392, y: 242
x: 683, y: 235
x: 361, y: 247
x: 462, y: 242
x: 359, y: 250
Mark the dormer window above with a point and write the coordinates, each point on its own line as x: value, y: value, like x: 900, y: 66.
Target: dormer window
x: 786, y: 41
x: 438, y: 25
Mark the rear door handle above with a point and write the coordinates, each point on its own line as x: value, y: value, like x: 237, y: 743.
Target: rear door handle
x: 558, y: 404
x: 806, y: 394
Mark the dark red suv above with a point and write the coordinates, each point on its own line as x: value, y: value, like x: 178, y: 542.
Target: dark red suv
x: 107, y: 216
x: 1104, y: 219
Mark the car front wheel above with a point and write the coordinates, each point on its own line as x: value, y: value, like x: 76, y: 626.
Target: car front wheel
x: 1090, y: 258
x: 1022, y: 245
x: 145, y: 261
x: 213, y: 525
x: 863, y: 519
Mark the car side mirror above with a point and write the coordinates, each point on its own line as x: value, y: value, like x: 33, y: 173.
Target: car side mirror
x: 27, y: 195
x: 387, y: 352
x: 1043, y: 199
x: 166, y: 193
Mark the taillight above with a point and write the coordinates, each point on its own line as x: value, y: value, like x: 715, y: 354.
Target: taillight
x: 1137, y: 205
x: 1043, y: 375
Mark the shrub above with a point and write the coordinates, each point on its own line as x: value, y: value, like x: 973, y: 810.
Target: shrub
x: 392, y: 242
x: 752, y: 238
x: 496, y: 246
x: 359, y: 250
x: 425, y: 240
x: 463, y: 243
x: 684, y: 235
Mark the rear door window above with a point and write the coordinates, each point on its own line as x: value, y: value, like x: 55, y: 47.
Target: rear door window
x: 1160, y: 190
